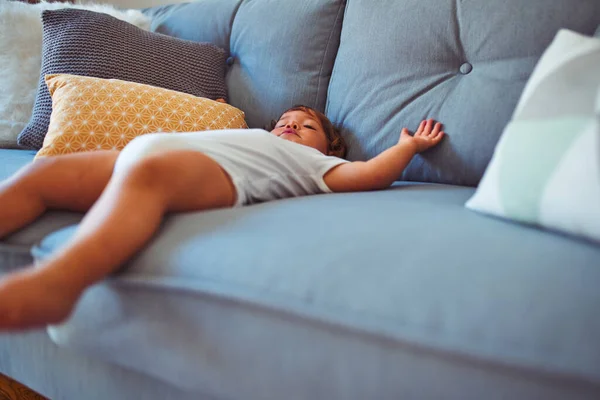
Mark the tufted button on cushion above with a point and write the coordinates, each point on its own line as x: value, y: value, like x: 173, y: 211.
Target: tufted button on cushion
x: 230, y: 60
x: 466, y: 68
x: 398, y: 63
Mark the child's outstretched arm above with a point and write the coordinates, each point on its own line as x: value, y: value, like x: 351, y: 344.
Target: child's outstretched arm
x: 381, y: 171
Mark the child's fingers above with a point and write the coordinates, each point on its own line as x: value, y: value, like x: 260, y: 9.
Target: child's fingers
x: 436, y: 129
x: 439, y: 136
x: 428, y: 127
x: 420, y: 128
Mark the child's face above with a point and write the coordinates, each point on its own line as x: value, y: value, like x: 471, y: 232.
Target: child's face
x: 303, y: 128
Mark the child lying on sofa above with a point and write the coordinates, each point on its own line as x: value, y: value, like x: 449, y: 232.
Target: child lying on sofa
x: 126, y: 195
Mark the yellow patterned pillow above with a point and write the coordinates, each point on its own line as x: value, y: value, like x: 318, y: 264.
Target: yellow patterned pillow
x: 104, y: 114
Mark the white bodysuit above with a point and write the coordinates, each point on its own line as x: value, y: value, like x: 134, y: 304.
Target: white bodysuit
x: 261, y: 165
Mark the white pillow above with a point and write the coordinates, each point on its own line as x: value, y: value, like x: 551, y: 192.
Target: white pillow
x: 546, y: 166
x: 20, y: 58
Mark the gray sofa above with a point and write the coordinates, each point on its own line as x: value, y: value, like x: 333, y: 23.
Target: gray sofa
x: 397, y: 294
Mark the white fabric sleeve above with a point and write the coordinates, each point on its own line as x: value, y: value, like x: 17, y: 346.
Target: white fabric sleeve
x: 325, y: 164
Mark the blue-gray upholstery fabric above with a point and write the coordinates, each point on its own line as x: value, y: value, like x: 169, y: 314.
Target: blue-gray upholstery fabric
x: 14, y: 255
x: 282, y: 285
x: 62, y: 374
x: 11, y: 160
x: 200, y: 21
x: 464, y: 63
x: 15, y: 249
x: 65, y: 374
x: 400, y: 294
x: 283, y: 54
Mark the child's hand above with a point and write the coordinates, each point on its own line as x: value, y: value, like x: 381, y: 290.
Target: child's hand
x: 428, y: 135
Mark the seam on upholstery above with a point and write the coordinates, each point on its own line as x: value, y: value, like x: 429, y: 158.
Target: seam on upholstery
x: 7, y: 248
x: 234, y: 15
x: 231, y: 22
x: 325, y: 52
x: 333, y: 315
x: 459, y: 43
x: 334, y: 61
x: 229, y: 45
x: 440, y: 79
x: 466, y: 356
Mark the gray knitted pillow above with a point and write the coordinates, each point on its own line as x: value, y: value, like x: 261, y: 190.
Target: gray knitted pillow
x: 87, y: 43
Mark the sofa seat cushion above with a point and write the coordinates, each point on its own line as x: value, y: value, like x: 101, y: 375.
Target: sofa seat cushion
x: 33, y: 359
x: 15, y: 249
x: 464, y: 63
x: 11, y: 160
x: 225, y: 298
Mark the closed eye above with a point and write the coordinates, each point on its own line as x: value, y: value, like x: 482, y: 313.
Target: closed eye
x: 309, y: 127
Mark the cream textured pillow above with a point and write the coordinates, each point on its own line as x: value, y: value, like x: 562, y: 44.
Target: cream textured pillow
x: 106, y: 114
x: 546, y: 166
x: 20, y: 58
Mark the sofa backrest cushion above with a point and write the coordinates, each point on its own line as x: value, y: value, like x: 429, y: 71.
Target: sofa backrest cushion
x: 283, y: 55
x: 201, y: 21
x: 281, y: 51
x: 463, y: 62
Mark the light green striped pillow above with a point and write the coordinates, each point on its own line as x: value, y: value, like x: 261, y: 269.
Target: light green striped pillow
x: 546, y: 166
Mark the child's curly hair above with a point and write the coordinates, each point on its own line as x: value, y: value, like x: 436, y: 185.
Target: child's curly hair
x: 336, y: 144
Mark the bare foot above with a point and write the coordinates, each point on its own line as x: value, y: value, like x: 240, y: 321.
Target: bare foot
x: 31, y: 299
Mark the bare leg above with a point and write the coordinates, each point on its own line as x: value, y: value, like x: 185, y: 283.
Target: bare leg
x: 125, y: 217
x: 72, y: 182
